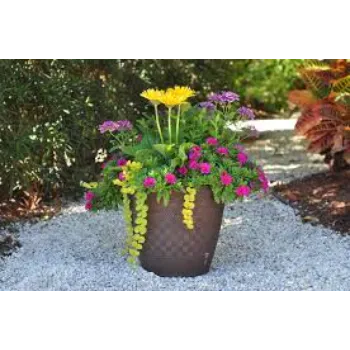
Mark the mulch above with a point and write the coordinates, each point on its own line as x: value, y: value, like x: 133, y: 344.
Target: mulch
x: 13, y: 211
x: 322, y: 198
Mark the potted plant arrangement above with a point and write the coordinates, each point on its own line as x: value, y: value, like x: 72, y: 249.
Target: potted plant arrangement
x: 173, y: 173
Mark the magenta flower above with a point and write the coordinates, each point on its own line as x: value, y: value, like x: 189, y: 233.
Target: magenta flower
x: 265, y: 186
x: 204, y: 168
x: 182, y: 170
x: 121, y: 176
x: 263, y: 180
x: 246, y: 112
x: 212, y: 141
x: 193, y: 164
x: 243, y: 191
x: 222, y: 150
x: 122, y: 162
x: 108, y: 125
x: 242, y: 158
x: 149, y: 182
x: 209, y: 106
x: 195, y: 153
x: 170, y: 179
x: 89, y: 196
x: 88, y: 206
x: 226, y: 179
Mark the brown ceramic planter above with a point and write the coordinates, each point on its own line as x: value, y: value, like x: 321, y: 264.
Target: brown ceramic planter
x: 170, y: 249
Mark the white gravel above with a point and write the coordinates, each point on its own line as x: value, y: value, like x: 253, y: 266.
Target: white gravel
x: 263, y: 246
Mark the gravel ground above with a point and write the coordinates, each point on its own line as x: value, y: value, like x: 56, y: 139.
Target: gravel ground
x: 263, y: 245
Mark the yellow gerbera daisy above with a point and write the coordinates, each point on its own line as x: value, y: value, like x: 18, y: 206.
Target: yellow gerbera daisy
x: 171, y: 99
x: 153, y: 95
x: 183, y: 91
x: 176, y: 96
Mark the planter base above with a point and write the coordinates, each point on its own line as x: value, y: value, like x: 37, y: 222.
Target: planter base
x: 170, y: 249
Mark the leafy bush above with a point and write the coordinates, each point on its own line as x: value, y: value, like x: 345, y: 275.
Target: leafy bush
x: 49, y: 109
x: 325, y: 106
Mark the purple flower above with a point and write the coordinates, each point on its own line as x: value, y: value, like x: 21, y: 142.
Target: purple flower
x: 224, y: 97
x: 215, y: 98
x: 229, y: 97
x: 120, y: 125
x: 239, y: 147
x: 209, y: 106
x: 124, y: 125
x: 108, y: 125
x: 246, y: 112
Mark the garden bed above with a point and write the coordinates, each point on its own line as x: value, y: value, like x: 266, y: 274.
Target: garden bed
x: 321, y: 198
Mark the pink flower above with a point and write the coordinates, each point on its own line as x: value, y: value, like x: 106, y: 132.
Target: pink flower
x: 195, y: 153
x: 149, y: 182
x: 226, y: 179
x: 196, y: 149
x: 243, y: 191
x: 242, y: 158
x: 89, y: 196
x: 170, y: 179
x: 121, y: 162
x: 121, y: 176
x: 263, y: 180
x: 239, y: 147
x: 193, y: 165
x: 222, y: 150
x: 204, y: 168
x: 265, y: 186
x: 88, y: 206
x: 182, y: 170
x: 212, y: 141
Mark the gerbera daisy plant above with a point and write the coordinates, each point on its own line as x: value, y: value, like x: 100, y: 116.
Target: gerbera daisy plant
x: 179, y: 148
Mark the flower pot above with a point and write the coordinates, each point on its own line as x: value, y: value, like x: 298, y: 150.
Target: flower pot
x: 171, y: 249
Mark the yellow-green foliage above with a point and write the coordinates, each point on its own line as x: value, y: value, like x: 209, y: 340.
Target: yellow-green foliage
x: 189, y: 204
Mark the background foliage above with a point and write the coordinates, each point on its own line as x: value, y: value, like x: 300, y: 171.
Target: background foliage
x: 49, y: 109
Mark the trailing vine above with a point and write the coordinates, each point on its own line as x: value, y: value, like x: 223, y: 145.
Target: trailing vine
x: 189, y: 205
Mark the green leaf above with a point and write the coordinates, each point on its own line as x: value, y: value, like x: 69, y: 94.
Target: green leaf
x: 176, y: 162
x: 183, y: 150
x: 164, y: 150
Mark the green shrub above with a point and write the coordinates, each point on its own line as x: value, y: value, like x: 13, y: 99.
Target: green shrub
x: 49, y: 109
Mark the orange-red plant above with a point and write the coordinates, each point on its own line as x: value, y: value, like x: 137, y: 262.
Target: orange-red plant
x: 325, y: 106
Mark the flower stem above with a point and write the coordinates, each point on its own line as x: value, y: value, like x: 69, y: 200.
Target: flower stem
x: 178, y: 124
x: 169, y: 124
x: 158, y: 124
